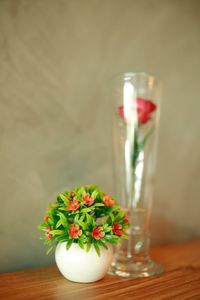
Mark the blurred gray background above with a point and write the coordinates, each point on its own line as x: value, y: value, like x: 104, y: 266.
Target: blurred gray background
x: 56, y: 59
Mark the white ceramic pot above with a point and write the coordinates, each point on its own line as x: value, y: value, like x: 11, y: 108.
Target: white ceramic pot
x: 77, y: 265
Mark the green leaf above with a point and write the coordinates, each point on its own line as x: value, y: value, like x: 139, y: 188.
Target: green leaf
x: 98, y: 204
x: 52, y: 205
x: 86, y: 210
x: 88, y: 246
x: 47, y: 242
x: 82, y: 218
x: 83, y: 225
x: 103, y: 244
x: 76, y: 218
x: 112, y: 217
x: 64, y: 199
x: 83, y: 238
x: 59, y: 223
x: 49, y: 250
x: 111, y: 238
x: 115, y: 207
x: 56, y: 232
x: 62, y: 238
x: 119, y: 216
x: 69, y: 243
x: 42, y: 227
x: 62, y: 217
x: 80, y: 243
x: 107, y: 228
x: 97, y: 249
x: 62, y: 208
x: 94, y: 194
x: 81, y: 191
x: 89, y: 219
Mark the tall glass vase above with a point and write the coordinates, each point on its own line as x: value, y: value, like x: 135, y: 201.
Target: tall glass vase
x: 136, y: 105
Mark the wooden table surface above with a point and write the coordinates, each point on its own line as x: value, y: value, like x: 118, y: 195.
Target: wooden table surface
x: 181, y: 280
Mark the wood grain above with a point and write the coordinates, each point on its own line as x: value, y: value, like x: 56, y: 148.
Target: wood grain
x: 181, y: 280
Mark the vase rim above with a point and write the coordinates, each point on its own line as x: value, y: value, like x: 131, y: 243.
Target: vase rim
x: 132, y: 74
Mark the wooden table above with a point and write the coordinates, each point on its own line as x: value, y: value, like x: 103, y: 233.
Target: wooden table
x: 181, y: 280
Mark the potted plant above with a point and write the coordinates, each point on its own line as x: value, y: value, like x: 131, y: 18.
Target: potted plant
x: 83, y: 224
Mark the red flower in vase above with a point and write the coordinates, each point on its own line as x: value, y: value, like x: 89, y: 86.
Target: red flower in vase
x: 46, y: 218
x: 125, y: 219
x: 117, y: 229
x: 74, y: 231
x: 144, y: 109
x: 108, y: 201
x: 48, y: 228
x: 98, y: 233
x: 48, y: 235
x: 88, y: 200
x: 73, y: 205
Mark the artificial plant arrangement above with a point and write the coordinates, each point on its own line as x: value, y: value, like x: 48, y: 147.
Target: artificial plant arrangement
x: 86, y: 216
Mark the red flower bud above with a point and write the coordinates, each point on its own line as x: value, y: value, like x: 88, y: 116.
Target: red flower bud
x: 48, y: 228
x: 48, y: 235
x: 72, y: 193
x: 88, y: 200
x: 74, y: 231
x: 108, y: 201
x: 98, y: 233
x: 117, y: 229
x: 125, y: 219
x: 46, y: 218
x: 73, y: 205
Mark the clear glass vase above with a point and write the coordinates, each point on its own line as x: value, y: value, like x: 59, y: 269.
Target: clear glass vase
x: 136, y: 106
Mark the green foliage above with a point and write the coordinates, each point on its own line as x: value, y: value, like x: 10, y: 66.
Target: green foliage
x: 82, y: 216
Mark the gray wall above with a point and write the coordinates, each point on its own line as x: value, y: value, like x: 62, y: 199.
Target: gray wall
x: 56, y: 58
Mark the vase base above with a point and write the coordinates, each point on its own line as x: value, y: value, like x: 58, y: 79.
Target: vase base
x: 136, y: 270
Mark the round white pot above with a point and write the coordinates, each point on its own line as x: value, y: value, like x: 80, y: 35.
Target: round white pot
x: 77, y: 265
